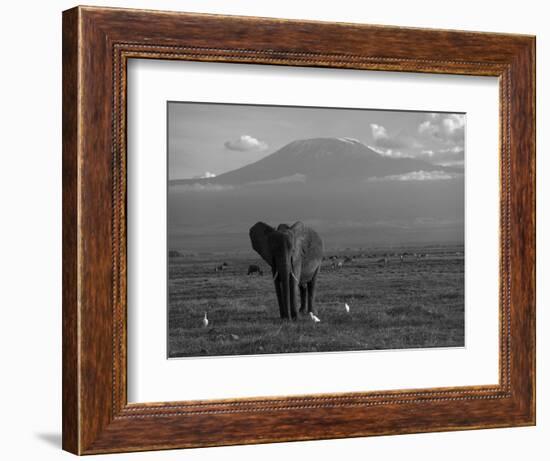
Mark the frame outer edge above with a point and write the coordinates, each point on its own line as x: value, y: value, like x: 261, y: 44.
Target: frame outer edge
x: 90, y: 423
x: 533, y: 69
x: 523, y: 232
x: 70, y: 178
x: 532, y: 142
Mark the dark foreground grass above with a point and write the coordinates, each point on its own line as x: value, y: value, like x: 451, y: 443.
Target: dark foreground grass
x: 415, y: 304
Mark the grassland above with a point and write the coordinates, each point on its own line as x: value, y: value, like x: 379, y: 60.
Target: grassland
x: 416, y: 303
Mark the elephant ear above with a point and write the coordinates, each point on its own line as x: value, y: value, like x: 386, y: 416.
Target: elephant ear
x: 259, y: 233
x: 299, y: 232
x: 298, y: 226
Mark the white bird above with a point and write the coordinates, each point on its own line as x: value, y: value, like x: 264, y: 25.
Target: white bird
x: 346, y: 307
x: 205, y: 321
x: 314, y: 317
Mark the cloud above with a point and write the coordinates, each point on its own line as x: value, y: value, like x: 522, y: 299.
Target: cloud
x: 421, y: 175
x: 246, y: 143
x: 383, y: 139
x: 207, y: 174
x: 427, y: 127
x: 298, y: 177
x: 437, y: 139
x: 452, y: 150
x: 378, y: 131
x: 445, y: 157
x: 200, y: 187
x: 448, y: 128
x: 453, y: 163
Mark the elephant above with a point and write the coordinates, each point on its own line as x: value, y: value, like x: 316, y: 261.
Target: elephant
x: 253, y: 268
x: 295, y: 254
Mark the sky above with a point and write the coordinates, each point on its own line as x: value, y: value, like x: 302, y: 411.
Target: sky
x: 210, y: 139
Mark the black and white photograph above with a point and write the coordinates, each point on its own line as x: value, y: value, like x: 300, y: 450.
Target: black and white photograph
x: 313, y: 229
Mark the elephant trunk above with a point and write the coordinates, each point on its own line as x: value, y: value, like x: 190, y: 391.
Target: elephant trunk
x: 282, y: 276
x: 286, y: 292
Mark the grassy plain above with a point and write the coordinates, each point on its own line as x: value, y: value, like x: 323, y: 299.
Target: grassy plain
x: 414, y: 303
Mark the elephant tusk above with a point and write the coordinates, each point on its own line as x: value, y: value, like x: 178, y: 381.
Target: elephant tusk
x: 291, y: 273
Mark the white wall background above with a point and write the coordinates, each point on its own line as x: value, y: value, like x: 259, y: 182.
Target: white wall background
x: 30, y: 231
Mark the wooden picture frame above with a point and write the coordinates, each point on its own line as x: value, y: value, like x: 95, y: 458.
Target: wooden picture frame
x: 97, y: 43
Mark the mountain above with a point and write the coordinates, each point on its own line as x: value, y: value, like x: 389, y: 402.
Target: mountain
x: 346, y: 191
x: 319, y: 159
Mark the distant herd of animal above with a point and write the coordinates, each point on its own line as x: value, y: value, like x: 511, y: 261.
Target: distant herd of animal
x: 334, y: 262
x: 252, y: 269
x: 338, y: 262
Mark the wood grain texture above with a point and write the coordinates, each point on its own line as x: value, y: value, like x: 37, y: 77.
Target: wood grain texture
x: 70, y: 384
x: 97, y: 43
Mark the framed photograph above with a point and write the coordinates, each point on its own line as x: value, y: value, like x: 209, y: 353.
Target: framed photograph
x: 282, y: 230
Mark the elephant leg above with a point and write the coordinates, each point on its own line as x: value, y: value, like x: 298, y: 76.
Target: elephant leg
x: 293, y: 299
x: 303, y: 298
x: 311, y: 293
x: 280, y: 301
